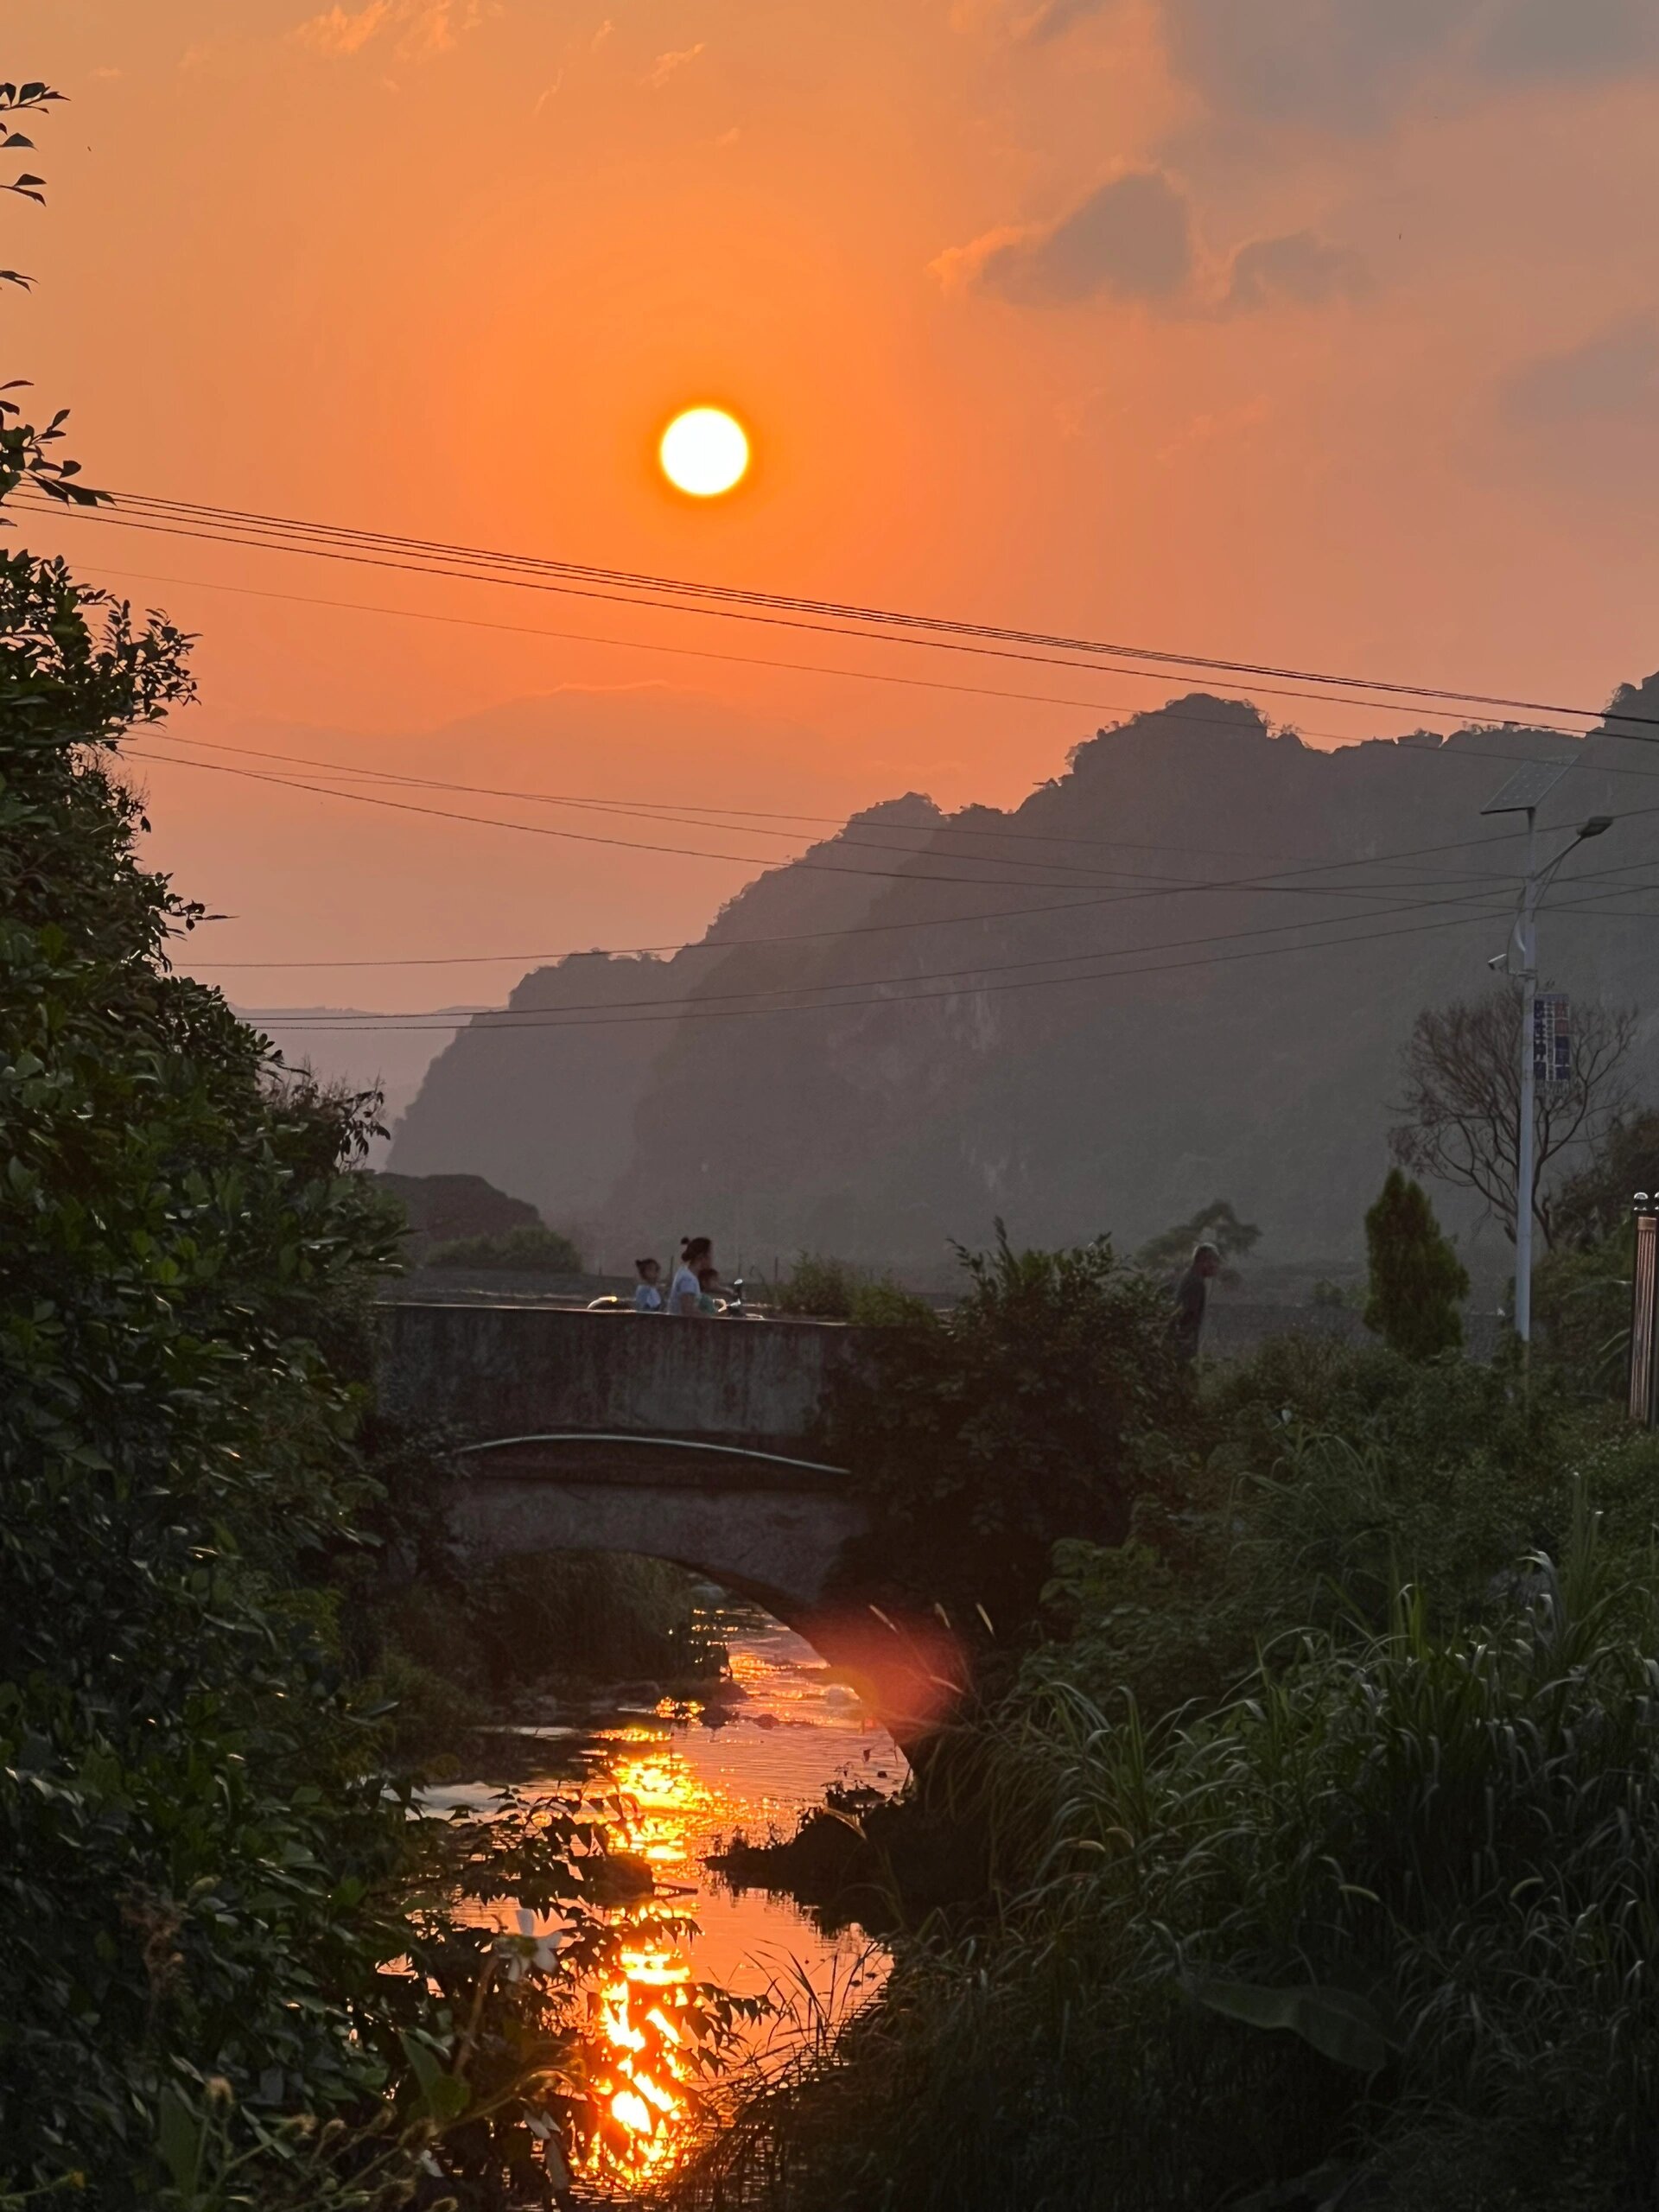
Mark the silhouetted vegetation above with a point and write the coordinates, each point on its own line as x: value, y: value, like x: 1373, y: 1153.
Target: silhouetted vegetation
x: 528, y: 1249
x: 1215, y: 1224
x: 1304, y: 1852
x: 238, y: 1966
x: 1033, y: 1408
x: 1417, y: 1282
x: 1460, y: 1118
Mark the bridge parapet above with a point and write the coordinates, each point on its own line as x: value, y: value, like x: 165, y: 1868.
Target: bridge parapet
x: 685, y: 1440
x: 505, y: 1371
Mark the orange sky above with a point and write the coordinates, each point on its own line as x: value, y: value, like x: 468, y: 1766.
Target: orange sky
x: 1325, y: 331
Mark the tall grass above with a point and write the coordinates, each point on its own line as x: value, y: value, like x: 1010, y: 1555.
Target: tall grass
x: 1433, y: 1857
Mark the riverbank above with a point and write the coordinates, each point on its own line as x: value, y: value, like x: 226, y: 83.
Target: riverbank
x: 1290, y: 1893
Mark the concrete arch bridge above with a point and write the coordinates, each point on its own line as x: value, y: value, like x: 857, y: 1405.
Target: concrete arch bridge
x: 686, y: 1440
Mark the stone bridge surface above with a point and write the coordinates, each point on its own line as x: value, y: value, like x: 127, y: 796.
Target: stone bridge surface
x: 687, y: 1440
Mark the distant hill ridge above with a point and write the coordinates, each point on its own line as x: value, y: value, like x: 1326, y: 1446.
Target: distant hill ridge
x: 1152, y: 1058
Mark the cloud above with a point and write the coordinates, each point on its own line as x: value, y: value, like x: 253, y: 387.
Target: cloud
x: 338, y: 32
x: 1131, y: 238
x: 1611, y: 378
x: 1049, y: 17
x: 1353, y: 63
x: 1298, y: 269
x: 423, y: 28
x: 670, y: 64
x: 601, y: 34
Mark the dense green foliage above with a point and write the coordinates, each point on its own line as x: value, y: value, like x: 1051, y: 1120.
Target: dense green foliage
x: 456, y: 1648
x: 530, y: 1248
x: 1581, y: 1288
x: 823, y: 1289
x: 1034, y: 1410
x: 236, y: 1968
x: 205, y: 1876
x: 1417, y: 1281
x: 1320, y: 1838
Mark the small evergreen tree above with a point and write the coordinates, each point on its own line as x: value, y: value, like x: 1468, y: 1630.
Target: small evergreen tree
x: 1417, y: 1280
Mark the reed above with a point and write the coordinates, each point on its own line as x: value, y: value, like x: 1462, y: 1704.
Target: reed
x: 1385, y: 1916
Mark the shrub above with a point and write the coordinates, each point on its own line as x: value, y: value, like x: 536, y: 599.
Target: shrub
x: 528, y: 1249
x: 1417, y: 1280
x: 819, y: 1288
x: 1378, y: 1927
x: 1029, y: 1412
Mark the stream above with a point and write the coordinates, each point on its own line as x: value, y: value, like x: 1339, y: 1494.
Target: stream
x: 693, y: 1775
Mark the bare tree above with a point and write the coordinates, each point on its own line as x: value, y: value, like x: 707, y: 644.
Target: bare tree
x: 1460, y: 1118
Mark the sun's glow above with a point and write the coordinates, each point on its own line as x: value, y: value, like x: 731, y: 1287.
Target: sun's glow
x: 704, y: 452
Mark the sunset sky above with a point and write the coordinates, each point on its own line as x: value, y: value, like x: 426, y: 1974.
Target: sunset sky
x: 1314, y: 331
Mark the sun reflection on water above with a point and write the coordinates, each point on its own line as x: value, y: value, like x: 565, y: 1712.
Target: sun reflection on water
x: 673, y: 1779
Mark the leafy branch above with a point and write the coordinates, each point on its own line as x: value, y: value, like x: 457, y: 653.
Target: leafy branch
x: 24, y: 455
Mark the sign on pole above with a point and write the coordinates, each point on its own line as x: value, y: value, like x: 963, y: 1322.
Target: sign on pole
x: 1552, y: 1040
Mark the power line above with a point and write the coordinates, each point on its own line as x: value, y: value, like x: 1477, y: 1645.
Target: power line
x: 620, y: 587
x: 859, y: 676
x: 492, y: 1017
x: 697, y: 652
x: 739, y: 1014
x: 706, y: 818
x: 485, y: 1017
x: 1270, y: 880
x: 1183, y: 713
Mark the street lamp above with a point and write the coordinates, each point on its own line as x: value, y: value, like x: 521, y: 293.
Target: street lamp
x: 1523, y: 794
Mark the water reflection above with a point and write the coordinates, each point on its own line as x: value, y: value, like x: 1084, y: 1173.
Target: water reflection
x: 680, y: 1779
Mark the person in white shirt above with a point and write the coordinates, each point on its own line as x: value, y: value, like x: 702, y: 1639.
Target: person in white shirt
x: 647, y: 1298
x: 685, y: 1292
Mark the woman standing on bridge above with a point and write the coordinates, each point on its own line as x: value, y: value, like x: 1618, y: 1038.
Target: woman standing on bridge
x: 685, y: 1292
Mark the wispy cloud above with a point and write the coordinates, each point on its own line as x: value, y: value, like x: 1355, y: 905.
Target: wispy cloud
x: 340, y: 32
x: 1611, y: 378
x: 420, y: 28
x: 670, y: 64
x: 1298, y: 269
x: 1131, y: 237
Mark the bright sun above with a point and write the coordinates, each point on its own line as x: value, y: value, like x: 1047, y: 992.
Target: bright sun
x: 704, y: 452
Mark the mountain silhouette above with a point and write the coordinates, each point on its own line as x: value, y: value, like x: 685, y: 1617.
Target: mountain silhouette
x: 1185, y: 967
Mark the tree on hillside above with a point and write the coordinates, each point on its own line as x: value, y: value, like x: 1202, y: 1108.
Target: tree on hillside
x: 1459, y: 1120
x: 1215, y: 1224
x: 1417, y: 1280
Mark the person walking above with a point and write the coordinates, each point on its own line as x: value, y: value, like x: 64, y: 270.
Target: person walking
x: 647, y: 1294
x: 1191, y: 1296
x: 685, y: 1292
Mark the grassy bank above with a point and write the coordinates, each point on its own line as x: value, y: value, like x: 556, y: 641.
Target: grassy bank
x: 476, y: 1648
x: 1311, y: 1856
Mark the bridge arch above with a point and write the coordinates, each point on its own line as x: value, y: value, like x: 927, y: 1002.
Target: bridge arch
x: 765, y: 1525
x: 683, y: 1440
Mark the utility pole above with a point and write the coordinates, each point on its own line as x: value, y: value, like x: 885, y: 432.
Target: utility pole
x: 1523, y: 794
x: 1526, y: 1141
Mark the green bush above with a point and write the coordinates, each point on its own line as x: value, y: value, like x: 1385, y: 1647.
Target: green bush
x: 818, y: 1289
x: 1581, y: 1312
x: 530, y: 1249
x: 1417, y: 1281
x: 1379, y: 1926
x: 1031, y: 1411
